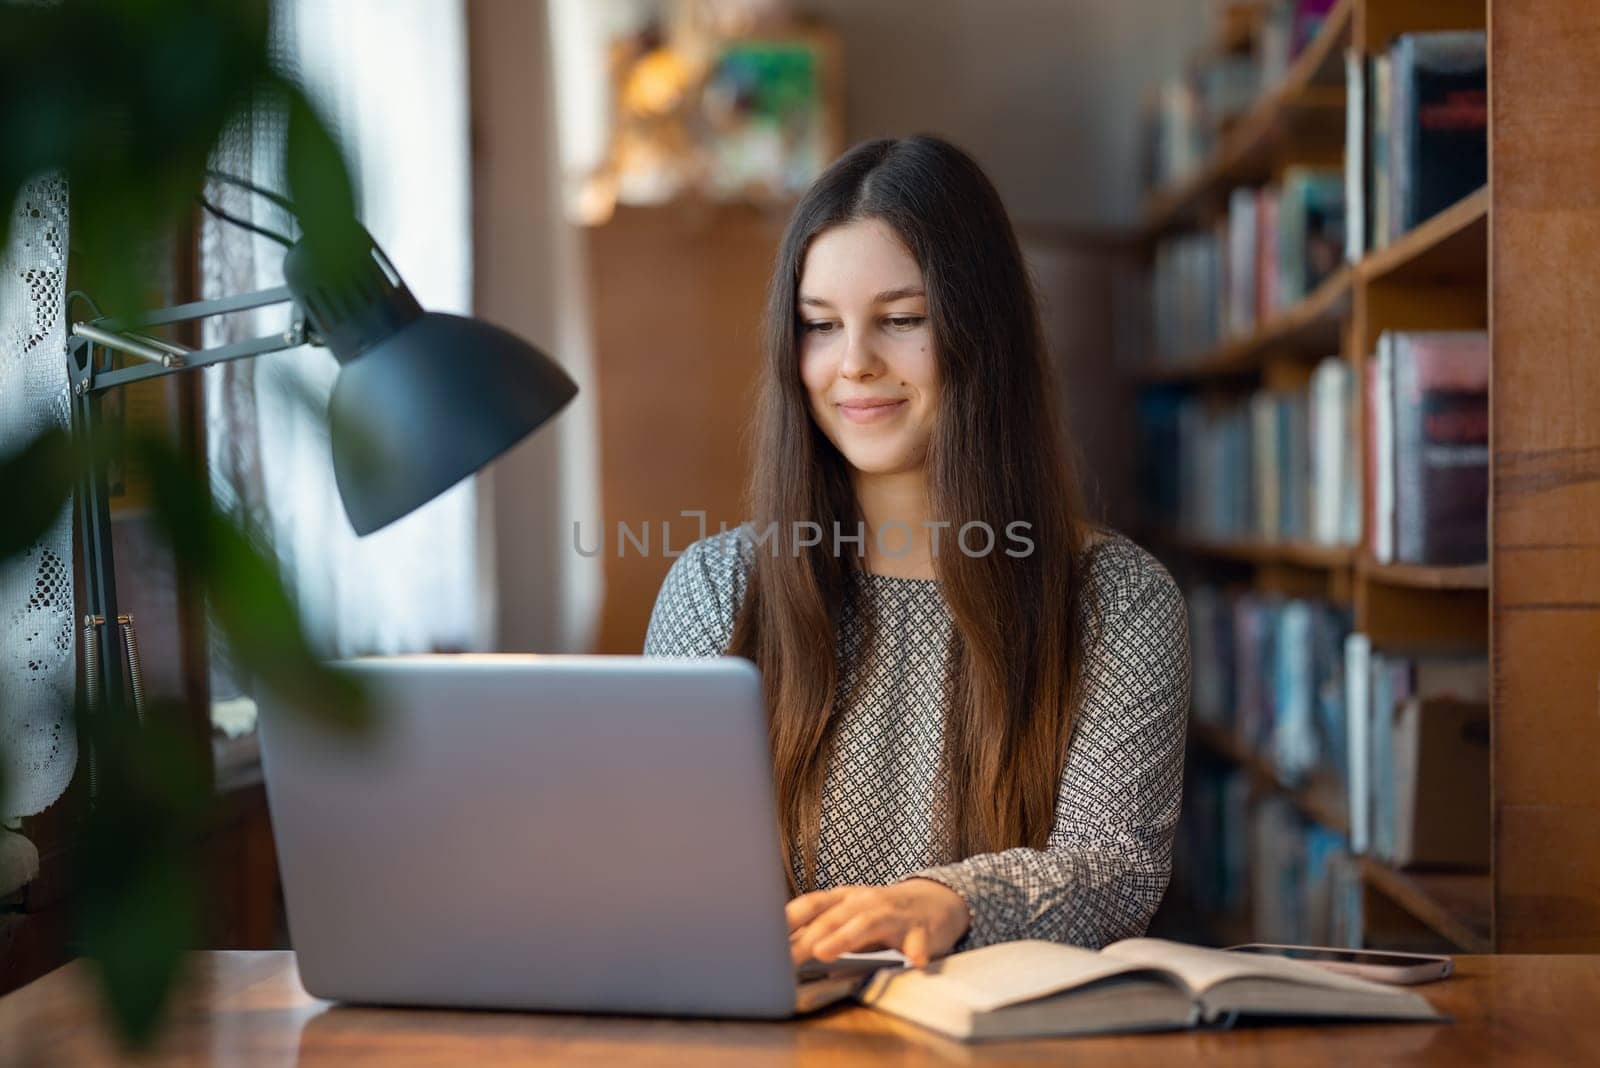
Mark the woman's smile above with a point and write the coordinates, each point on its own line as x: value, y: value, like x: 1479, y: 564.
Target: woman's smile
x: 868, y: 410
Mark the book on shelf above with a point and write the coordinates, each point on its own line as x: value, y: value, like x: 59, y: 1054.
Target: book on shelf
x: 1335, y: 516
x: 1269, y: 671
x: 1441, y: 807
x: 1418, y: 756
x: 1033, y: 988
x: 1185, y: 117
x: 1429, y: 448
x: 1356, y: 157
x: 1274, y: 466
x: 1244, y: 242
x: 1310, y: 231
x: 1268, y: 250
x: 1248, y: 854
x: 1288, y: 28
x: 1299, y: 879
x: 1380, y: 450
x: 1275, y: 246
x: 1358, y: 747
x: 1379, y: 203
x: 1429, y: 128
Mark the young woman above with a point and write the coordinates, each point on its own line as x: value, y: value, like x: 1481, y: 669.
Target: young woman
x: 977, y: 702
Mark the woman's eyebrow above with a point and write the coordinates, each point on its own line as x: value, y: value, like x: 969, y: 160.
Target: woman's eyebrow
x: 888, y: 296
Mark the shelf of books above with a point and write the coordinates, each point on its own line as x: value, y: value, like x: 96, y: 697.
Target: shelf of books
x: 1313, y: 420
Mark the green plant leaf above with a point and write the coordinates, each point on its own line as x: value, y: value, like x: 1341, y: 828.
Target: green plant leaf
x: 127, y: 100
x: 255, y: 611
x: 35, y: 481
x: 137, y: 857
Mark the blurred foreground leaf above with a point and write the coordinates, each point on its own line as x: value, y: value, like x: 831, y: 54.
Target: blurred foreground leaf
x: 257, y: 615
x: 128, y: 99
x: 138, y: 862
x: 34, y: 482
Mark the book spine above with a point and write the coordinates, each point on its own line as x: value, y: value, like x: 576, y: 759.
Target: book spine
x: 1355, y: 157
x: 1267, y: 299
x: 1293, y: 207
x: 1441, y: 448
x: 1325, y: 452
x: 1382, y: 149
x: 1381, y: 737
x: 1351, y: 483
x: 1242, y: 243
x: 1383, y: 452
x: 1293, y: 740
x: 1405, y: 157
x: 1358, y: 688
x: 1264, y: 445
x: 1446, y: 120
x: 1297, y: 410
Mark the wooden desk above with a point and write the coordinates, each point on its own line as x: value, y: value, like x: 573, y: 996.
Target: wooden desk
x: 249, y: 1008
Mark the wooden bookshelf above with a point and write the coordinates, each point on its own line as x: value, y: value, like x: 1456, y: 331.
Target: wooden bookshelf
x: 1453, y: 246
x: 1474, y: 577
x: 1318, y: 800
x: 1296, y: 554
x: 1457, y: 906
x: 1307, y: 107
x: 1544, y: 298
x: 1450, y: 248
x: 1446, y: 274
x: 1310, y: 328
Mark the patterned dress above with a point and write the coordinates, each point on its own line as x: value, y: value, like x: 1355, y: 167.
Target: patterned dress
x: 1105, y: 866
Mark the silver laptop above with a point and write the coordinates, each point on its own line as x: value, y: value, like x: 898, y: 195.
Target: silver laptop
x: 588, y: 834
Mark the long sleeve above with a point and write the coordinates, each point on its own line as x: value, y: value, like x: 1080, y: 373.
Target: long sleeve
x: 1106, y: 864
x: 695, y: 608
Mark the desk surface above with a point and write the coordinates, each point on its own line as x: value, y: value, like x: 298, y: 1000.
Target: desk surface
x: 249, y: 1008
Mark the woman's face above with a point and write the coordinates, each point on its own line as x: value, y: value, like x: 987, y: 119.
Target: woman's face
x: 866, y: 347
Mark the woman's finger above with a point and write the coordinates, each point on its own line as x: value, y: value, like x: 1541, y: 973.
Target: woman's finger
x: 803, y: 943
x: 807, y: 907
x: 868, y: 930
x: 915, y: 945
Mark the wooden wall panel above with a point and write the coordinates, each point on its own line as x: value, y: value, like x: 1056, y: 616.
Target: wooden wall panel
x: 1545, y: 523
x: 676, y: 296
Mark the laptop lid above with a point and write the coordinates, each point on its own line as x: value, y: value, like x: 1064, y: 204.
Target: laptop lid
x: 592, y: 834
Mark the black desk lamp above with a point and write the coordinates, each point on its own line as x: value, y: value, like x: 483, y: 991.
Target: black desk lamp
x: 421, y: 401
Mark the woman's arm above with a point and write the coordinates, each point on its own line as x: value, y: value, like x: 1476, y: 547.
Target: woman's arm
x: 1106, y: 865
x: 694, y: 610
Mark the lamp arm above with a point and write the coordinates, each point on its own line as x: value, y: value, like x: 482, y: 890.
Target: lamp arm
x: 89, y: 376
x: 92, y: 372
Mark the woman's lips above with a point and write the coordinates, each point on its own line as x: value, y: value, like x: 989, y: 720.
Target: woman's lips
x: 871, y: 411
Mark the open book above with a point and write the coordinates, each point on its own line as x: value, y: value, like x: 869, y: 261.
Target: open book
x: 1024, y: 989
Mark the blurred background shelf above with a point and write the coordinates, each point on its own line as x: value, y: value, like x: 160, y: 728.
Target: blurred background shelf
x: 1299, y: 554
x: 1453, y: 246
x: 1417, y: 576
x: 1319, y: 800
x: 1456, y: 905
x: 1307, y: 108
x: 1310, y: 328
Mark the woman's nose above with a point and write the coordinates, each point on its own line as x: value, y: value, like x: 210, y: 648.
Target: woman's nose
x: 860, y: 359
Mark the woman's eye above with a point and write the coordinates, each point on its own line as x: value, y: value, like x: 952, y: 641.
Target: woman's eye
x: 820, y: 326
x: 906, y: 322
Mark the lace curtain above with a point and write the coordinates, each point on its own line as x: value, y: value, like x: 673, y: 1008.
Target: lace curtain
x: 390, y: 77
x: 36, y: 633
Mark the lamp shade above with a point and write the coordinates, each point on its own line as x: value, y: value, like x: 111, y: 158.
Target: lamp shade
x: 422, y: 399
x: 423, y: 409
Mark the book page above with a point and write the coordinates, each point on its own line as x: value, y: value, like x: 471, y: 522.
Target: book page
x: 993, y: 977
x: 1204, y: 968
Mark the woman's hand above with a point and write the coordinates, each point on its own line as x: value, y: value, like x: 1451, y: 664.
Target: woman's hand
x: 919, y: 917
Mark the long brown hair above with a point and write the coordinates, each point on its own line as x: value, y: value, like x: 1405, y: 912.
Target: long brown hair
x: 996, y: 456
